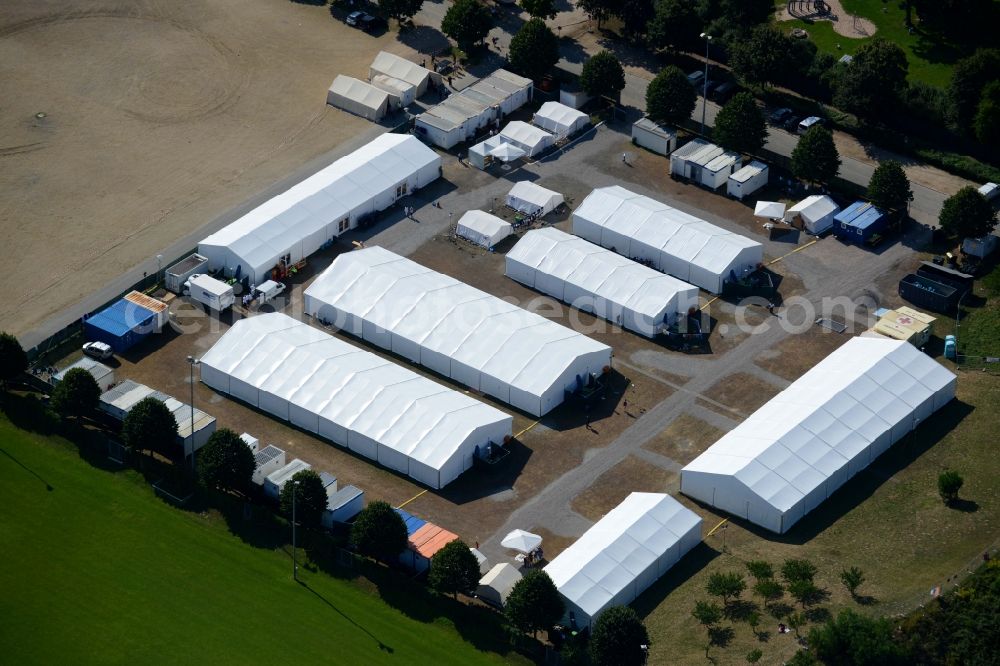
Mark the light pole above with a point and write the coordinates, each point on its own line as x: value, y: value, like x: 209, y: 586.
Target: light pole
x: 958, y: 314
x: 704, y: 90
x: 192, y: 361
x: 295, y: 565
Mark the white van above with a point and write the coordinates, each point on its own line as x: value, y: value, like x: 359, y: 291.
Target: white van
x: 269, y: 290
x: 806, y: 123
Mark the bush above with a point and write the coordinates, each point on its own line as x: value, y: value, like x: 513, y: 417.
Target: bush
x: 618, y: 638
x: 949, y: 483
x: 226, y: 462
x: 77, y: 394
x: 13, y: 360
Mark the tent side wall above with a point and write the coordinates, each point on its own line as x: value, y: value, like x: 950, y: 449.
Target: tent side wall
x: 732, y: 496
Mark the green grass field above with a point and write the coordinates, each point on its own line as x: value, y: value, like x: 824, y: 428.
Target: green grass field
x: 97, y: 569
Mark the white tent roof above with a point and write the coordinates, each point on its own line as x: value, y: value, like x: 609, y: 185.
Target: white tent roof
x: 359, y: 393
x: 507, y: 152
x: 672, y: 239
x: 391, y: 84
x: 599, y: 569
x: 536, y: 195
x: 815, y: 207
x: 440, y: 320
x: 364, y: 94
x: 498, y: 582
x: 323, y: 198
x: 526, y: 136
x: 601, y: 273
x: 774, y: 210
x: 559, y: 118
x: 814, y: 429
x: 483, y: 228
x: 400, y: 68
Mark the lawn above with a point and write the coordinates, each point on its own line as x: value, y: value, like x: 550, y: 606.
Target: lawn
x: 97, y: 569
x: 930, y: 55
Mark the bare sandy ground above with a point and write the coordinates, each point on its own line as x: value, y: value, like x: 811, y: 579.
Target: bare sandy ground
x: 848, y: 25
x: 158, y: 117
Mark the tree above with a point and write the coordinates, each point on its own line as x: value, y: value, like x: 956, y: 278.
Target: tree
x: 601, y: 10
x: 618, y: 638
x: 793, y: 570
x: 796, y: 621
x: 967, y: 214
x: 852, y: 579
x: 310, y: 497
x: 949, y: 483
x: 603, y: 76
x: 150, y: 426
x: 871, y: 86
x: 708, y: 615
x: 802, y: 658
x: 805, y: 592
x: 889, y: 187
x: 454, y: 569
x: 753, y: 621
x: 77, y: 394
x: 740, y: 125
x: 768, y: 589
x: 969, y: 77
x: 754, y: 655
x: 635, y: 15
x: 986, y: 124
x: 467, y: 22
x: 763, y: 57
x: 400, y: 9
x: 744, y: 14
x: 725, y: 585
x: 534, y: 50
x: 379, y: 532
x: 226, y: 462
x: 815, y: 158
x: 13, y: 360
x: 856, y: 639
x: 543, y: 9
x: 675, y: 25
x: 534, y: 603
x: 670, y: 97
x: 760, y: 570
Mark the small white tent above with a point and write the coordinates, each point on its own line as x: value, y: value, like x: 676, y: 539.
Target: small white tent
x: 358, y: 97
x: 526, y: 197
x: 393, y: 65
x: 496, y: 585
x: 596, y: 280
x: 771, y: 210
x: 528, y: 138
x: 815, y: 212
x: 482, y: 228
x: 790, y: 455
x: 624, y: 553
x: 561, y: 120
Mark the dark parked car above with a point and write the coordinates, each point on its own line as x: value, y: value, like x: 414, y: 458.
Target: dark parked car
x: 792, y: 122
x: 722, y: 92
x: 779, y: 116
x: 362, y: 21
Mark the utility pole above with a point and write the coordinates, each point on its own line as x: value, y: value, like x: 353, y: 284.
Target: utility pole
x: 704, y: 90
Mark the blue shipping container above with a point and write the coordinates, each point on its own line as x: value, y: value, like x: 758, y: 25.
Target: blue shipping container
x: 121, y: 325
x: 859, y: 222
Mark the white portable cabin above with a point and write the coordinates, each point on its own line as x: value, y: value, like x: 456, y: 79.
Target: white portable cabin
x: 561, y: 120
x: 357, y: 97
x: 693, y: 150
x: 300, y: 220
x: 714, y: 173
x: 790, y: 455
x: 252, y: 442
x: 266, y: 461
x: 593, y: 279
x: 526, y: 197
x: 474, y: 338
x: 990, y: 190
x: 102, y: 374
x: 374, y: 407
x: 342, y: 505
x: 747, y: 180
x: 482, y: 228
x: 497, y: 584
x: 622, y: 554
x: 277, y: 479
x: 671, y: 241
x: 660, y: 139
x: 515, y: 91
x: 573, y: 96
x: 400, y: 92
x: 814, y: 214
x: 394, y: 66
x: 528, y: 138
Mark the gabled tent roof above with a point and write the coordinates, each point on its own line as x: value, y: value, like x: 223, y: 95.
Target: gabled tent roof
x: 815, y: 207
x: 365, y: 94
x: 484, y: 223
x: 521, y: 133
x: 400, y: 68
x: 823, y: 420
x: 535, y: 194
x: 554, y: 114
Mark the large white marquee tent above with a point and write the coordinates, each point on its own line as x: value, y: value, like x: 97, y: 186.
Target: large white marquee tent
x: 624, y: 553
x: 482, y: 228
x: 796, y: 450
x: 456, y: 330
x: 561, y: 120
x: 357, y: 399
x: 357, y: 97
x: 297, y: 222
x: 593, y: 279
x: 674, y: 242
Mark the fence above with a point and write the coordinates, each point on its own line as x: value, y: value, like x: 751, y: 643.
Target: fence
x: 906, y: 606
x: 989, y: 364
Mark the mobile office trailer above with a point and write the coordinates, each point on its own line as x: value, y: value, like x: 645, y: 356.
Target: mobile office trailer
x: 747, y: 180
x: 252, y: 442
x: 660, y: 139
x: 102, y: 374
x: 276, y: 480
x: 177, y: 275
x: 121, y: 325
x: 342, y: 505
x: 713, y: 173
x: 859, y: 222
x: 267, y: 461
x: 693, y: 152
x: 208, y: 291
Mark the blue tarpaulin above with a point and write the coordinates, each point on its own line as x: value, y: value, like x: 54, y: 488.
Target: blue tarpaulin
x: 412, y: 522
x: 120, y: 325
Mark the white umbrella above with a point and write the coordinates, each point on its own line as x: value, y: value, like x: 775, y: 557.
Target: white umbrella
x: 770, y: 209
x: 507, y: 152
x: 522, y: 541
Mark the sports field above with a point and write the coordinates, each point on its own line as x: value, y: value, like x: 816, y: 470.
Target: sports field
x: 97, y: 569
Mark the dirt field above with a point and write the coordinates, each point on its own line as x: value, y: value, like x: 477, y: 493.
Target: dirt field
x: 126, y: 126
x: 632, y: 475
x: 684, y: 439
x: 739, y: 395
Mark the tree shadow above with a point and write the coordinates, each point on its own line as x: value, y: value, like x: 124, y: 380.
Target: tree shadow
x: 739, y: 610
x: 818, y: 614
x: 424, y: 39
x: 720, y: 636
x: 314, y: 3
x: 763, y: 636
x: 30, y: 413
x: 572, y: 51
x: 865, y: 600
x: 779, y: 610
x: 27, y: 469
x: 964, y: 505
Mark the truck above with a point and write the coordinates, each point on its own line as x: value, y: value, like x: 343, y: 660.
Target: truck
x: 178, y: 274
x: 205, y: 289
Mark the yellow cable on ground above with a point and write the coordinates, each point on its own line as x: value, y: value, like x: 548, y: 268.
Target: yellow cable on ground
x: 723, y: 522
x: 412, y: 498
x: 518, y: 435
x: 798, y: 249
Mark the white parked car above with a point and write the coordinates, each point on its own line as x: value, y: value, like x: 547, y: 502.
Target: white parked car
x: 102, y: 351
